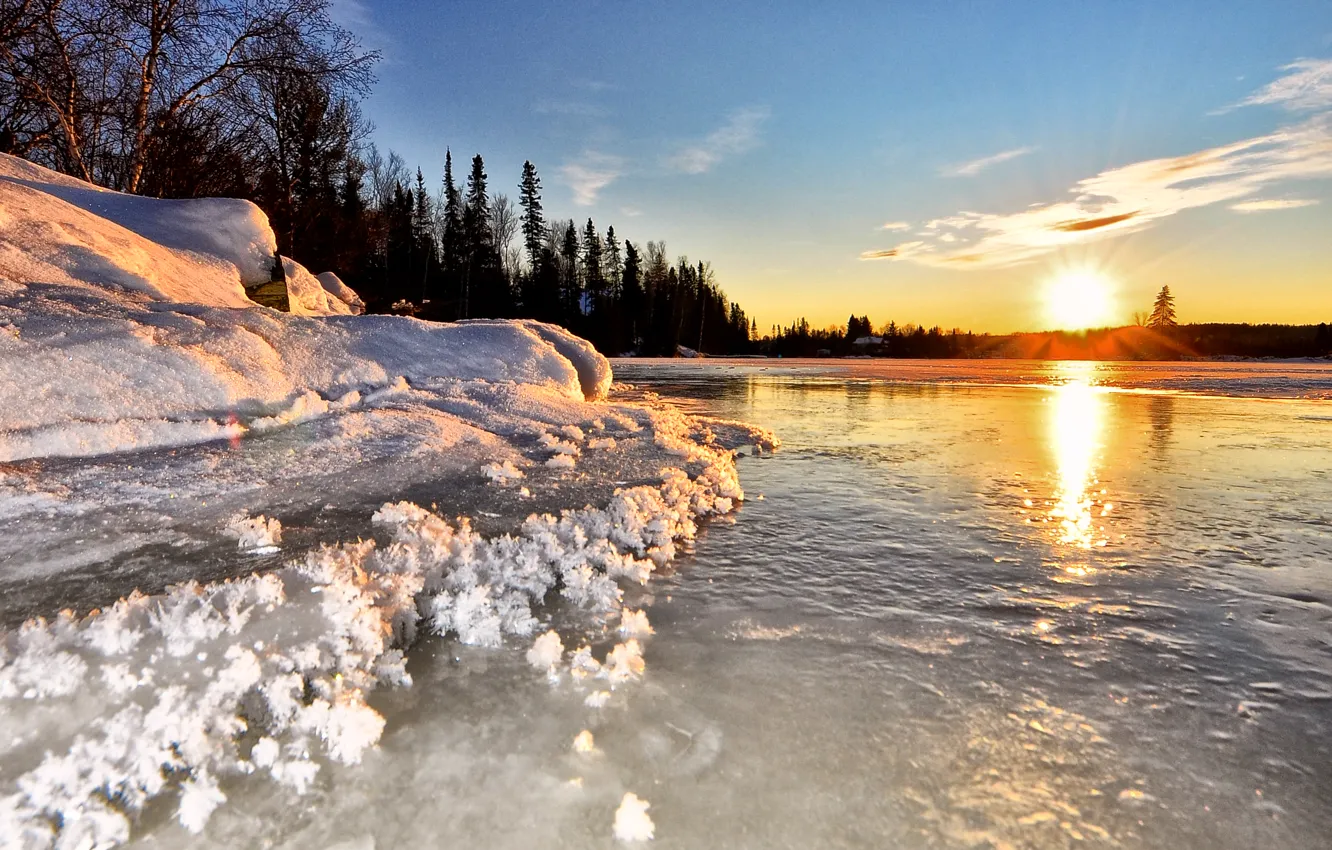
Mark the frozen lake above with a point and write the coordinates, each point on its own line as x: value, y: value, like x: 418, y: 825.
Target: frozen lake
x: 965, y: 605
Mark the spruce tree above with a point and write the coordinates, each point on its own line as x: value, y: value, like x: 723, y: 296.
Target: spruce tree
x: 1163, y: 311
x: 611, y: 263
x: 631, y: 295
x: 571, y: 295
x: 423, y: 231
x: 452, y: 236
x: 594, y: 281
x: 477, y: 248
x: 534, y: 225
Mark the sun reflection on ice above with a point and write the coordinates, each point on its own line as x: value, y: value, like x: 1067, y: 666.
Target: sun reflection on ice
x: 1077, y: 425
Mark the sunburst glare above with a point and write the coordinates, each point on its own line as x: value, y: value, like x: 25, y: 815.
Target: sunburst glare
x: 1079, y: 299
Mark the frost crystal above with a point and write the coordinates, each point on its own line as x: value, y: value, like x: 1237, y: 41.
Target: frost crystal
x: 631, y: 819
x: 546, y: 651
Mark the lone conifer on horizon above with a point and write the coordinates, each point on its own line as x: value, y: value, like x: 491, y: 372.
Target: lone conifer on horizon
x: 1163, y: 311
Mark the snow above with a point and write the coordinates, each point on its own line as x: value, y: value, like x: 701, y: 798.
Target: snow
x: 126, y: 329
x: 121, y: 331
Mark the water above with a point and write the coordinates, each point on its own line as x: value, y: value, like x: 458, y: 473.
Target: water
x: 971, y: 613
x: 966, y: 605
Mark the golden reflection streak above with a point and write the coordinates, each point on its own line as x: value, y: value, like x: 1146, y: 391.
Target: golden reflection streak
x: 1076, y: 429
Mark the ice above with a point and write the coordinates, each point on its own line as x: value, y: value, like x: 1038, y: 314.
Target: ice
x: 256, y: 534
x: 159, y: 694
x: 231, y: 501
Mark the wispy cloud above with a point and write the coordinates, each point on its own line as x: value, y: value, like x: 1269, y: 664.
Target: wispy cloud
x: 1307, y: 85
x: 355, y: 16
x: 896, y: 225
x: 1270, y: 204
x: 903, y: 250
x: 976, y: 166
x: 1135, y: 196
x: 739, y: 134
x: 589, y: 174
x: 570, y: 108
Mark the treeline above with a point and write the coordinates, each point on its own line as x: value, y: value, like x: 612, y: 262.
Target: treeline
x: 857, y: 337
x: 1134, y: 342
x: 259, y: 99
x: 464, y: 252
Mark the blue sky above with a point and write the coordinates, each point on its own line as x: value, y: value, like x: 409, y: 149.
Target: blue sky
x: 777, y: 139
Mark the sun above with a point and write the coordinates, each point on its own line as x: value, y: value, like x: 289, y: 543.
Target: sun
x: 1080, y: 299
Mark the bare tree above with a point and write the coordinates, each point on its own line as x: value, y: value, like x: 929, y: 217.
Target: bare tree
x: 99, y: 87
x: 504, y: 226
x: 384, y: 175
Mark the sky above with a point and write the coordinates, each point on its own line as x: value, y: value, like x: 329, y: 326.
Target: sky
x: 939, y: 163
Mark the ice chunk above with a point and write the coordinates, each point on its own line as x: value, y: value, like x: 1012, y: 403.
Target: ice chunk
x: 255, y: 534
x: 501, y: 473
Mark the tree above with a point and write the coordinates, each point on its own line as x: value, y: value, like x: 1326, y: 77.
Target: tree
x: 534, y: 225
x: 1163, y: 311
x: 451, y: 236
x: 612, y: 268
x: 571, y: 293
x: 504, y: 226
x: 104, y: 88
x: 593, y: 281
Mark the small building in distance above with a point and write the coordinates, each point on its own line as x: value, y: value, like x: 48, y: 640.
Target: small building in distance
x: 867, y: 345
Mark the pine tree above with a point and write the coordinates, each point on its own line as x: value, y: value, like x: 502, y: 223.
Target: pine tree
x: 613, y: 271
x: 1163, y: 311
x: 631, y: 297
x: 571, y: 292
x: 477, y: 247
x: 452, y: 242
x: 423, y: 230
x: 534, y: 225
x: 593, y: 279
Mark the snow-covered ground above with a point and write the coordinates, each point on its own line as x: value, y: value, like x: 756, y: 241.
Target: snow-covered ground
x: 229, y: 502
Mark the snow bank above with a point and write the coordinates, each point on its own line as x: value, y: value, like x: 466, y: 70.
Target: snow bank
x: 334, y: 286
x: 57, y: 229
x: 118, y: 329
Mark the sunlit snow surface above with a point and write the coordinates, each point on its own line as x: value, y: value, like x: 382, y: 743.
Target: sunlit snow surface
x: 1004, y: 607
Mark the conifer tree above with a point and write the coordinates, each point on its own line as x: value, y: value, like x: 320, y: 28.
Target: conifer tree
x: 478, y: 247
x: 534, y: 225
x: 452, y: 241
x: 423, y: 230
x: 631, y: 296
x: 571, y: 292
x: 1163, y: 311
x: 594, y: 281
x: 613, y: 271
